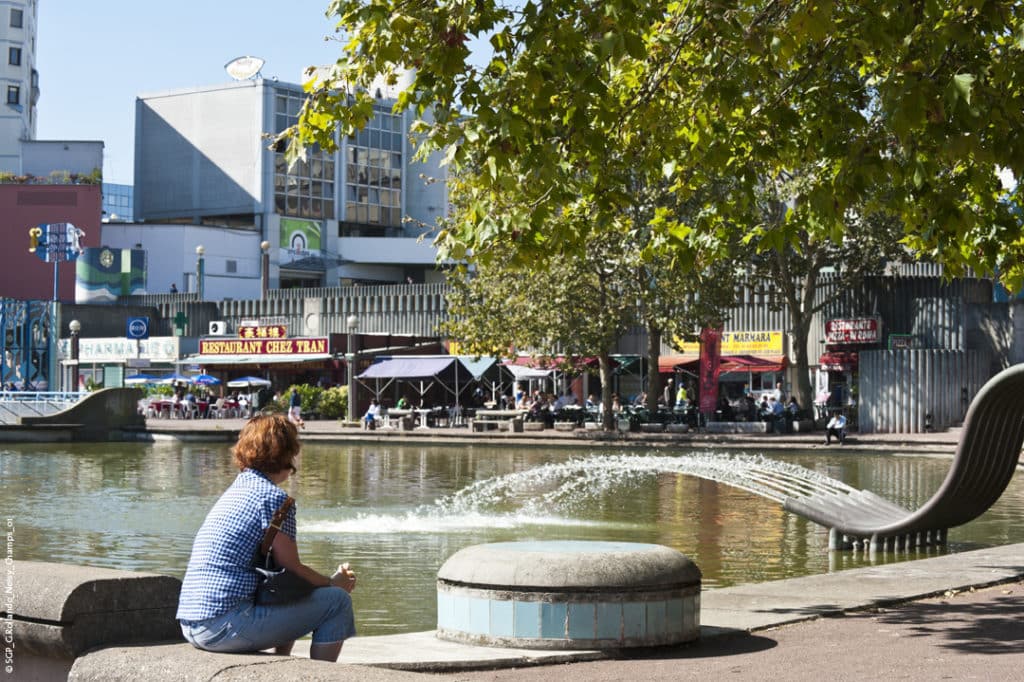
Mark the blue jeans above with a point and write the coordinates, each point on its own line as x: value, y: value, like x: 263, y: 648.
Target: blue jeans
x: 327, y: 612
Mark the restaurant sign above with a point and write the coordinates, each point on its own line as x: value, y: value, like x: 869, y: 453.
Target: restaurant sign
x: 742, y: 343
x: 316, y: 345
x: 861, y: 330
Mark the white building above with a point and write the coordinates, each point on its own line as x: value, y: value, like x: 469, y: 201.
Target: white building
x: 203, y: 156
x: 20, y: 80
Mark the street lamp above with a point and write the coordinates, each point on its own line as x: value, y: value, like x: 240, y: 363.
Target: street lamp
x: 265, y: 267
x: 199, y: 270
x: 75, y: 326
x: 352, y: 323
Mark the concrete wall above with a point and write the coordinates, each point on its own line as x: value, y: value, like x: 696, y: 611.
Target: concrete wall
x: 99, y: 413
x: 42, y: 157
x: 198, y: 152
x: 171, y: 257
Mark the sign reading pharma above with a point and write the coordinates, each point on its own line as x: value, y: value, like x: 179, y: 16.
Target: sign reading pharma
x: 861, y: 330
x: 261, y: 351
x: 157, y: 349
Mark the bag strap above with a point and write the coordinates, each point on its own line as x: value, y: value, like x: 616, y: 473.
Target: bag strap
x: 275, y: 525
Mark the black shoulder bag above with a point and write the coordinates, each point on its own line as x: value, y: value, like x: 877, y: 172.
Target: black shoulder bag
x: 277, y: 585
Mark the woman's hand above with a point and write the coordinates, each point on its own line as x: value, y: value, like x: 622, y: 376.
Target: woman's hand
x: 345, y: 578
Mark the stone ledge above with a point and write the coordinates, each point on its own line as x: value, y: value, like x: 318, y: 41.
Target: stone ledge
x: 63, y: 610
x: 185, y: 662
x: 736, y: 427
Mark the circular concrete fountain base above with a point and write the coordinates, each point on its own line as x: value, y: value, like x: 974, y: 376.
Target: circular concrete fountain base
x: 568, y: 595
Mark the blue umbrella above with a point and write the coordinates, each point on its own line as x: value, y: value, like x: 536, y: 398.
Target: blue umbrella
x: 171, y: 379
x: 248, y: 382
x: 136, y: 379
x: 204, y: 380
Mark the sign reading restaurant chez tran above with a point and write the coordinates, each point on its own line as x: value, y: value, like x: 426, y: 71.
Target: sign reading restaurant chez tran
x: 316, y: 345
x: 861, y: 330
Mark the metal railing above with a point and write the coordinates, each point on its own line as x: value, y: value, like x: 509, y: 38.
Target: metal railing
x: 17, y: 404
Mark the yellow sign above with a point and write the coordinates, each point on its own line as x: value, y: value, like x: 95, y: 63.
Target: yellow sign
x: 739, y: 343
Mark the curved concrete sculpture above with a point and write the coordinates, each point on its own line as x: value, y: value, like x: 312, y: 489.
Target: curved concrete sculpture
x: 986, y: 457
x: 568, y: 595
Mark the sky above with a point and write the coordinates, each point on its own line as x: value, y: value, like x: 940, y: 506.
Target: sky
x: 95, y: 58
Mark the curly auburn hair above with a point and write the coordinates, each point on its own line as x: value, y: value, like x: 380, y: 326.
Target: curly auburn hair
x: 267, y: 443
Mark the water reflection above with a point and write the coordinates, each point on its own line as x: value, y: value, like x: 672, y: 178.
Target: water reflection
x: 398, y: 512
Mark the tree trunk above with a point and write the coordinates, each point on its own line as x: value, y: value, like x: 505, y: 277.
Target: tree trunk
x: 804, y: 391
x: 608, y: 417
x: 654, y: 385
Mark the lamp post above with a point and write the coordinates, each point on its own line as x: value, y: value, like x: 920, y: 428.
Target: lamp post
x: 352, y: 323
x: 265, y: 268
x: 199, y: 270
x: 75, y: 326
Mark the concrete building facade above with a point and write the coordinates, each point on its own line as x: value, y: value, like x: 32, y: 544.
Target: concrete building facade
x: 204, y: 156
x: 20, y: 80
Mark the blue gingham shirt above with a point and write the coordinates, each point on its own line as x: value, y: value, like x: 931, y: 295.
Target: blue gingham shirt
x: 220, y: 573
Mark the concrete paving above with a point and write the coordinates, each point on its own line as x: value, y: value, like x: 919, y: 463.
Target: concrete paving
x: 336, y: 431
x: 726, y: 612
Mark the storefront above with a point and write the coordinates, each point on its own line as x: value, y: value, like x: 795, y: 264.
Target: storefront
x: 836, y: 381
x: 756, y: 360
x: 106, y: 361
x: 284, y: 361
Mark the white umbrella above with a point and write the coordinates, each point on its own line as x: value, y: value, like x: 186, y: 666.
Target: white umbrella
x: 248, y: 382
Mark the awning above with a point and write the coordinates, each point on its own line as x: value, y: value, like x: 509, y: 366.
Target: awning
x: 838, y: 361
x: 521, y: 372
x: 477, y: 367
x: 752, y: 363
x: 229, y: 359
x: 410, y: 367
x: 670, y: 363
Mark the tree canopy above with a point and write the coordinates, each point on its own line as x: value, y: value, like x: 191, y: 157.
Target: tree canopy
x: 912, y: 107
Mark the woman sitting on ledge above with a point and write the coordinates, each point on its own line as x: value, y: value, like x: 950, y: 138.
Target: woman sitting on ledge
x: 217, y: 608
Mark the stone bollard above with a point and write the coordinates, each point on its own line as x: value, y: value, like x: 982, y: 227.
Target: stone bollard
x: 60, y: 611
x: 568, y: 595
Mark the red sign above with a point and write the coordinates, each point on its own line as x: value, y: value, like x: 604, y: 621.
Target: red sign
x: 262, y: 346
x: 710, y: 364
x: 854, y: 330
x: 273, y: 331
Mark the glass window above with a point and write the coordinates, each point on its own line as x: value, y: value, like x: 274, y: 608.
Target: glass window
x: 13, y: 94
x: 14, y: 56
x: 17, y: 18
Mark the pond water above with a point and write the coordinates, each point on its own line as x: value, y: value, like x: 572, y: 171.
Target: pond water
x: 397, y: 512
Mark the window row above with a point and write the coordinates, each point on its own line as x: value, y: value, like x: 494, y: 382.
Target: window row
x: 318, y: 166
x: 373, y: 215
x: 374, y: 177
x: 378, y: 140
x: 381, y: 197
x: 303, y: 207
x: 373, y: 157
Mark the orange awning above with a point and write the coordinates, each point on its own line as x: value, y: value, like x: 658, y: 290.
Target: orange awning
x: 667, y: 364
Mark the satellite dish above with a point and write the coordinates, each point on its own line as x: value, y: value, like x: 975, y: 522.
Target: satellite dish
x: 244, y: 68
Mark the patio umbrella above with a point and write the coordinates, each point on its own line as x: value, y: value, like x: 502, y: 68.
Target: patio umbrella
x: 248, y: 382
x: 205, y: 380
x: 172, y: 379
x: 136, y: 379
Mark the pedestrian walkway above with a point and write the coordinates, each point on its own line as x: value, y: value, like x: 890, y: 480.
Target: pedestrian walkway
x: 337, y: 431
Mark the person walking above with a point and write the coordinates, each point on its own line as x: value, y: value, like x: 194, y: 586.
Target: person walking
x: 295, y: 409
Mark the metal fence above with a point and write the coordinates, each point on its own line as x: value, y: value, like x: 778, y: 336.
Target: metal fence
x: 911, y: 391
x: 17, y: 404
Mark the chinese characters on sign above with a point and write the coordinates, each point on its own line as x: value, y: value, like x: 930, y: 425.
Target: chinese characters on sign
x: 863, y: 330
x: 274, y: 331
